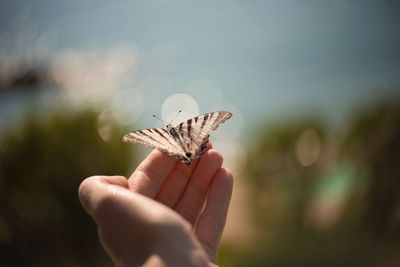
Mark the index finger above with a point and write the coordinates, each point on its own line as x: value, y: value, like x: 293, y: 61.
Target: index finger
x: 151, y: 172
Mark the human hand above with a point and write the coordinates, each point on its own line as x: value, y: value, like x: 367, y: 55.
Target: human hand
x: 135, y: 230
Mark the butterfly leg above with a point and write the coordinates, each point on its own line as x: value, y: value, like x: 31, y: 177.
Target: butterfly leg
x: 185, y: 160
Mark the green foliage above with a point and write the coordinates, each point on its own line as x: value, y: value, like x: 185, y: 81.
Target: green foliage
x: 373, y: 141
x: 276, y: 174
x: 341, y: 210
x: 274, y: 150
x: 41, y: 220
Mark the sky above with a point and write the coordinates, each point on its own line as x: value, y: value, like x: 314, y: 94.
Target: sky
x: 263, y: 60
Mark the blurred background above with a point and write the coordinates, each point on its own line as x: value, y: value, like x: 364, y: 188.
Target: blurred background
x: 314, y: 141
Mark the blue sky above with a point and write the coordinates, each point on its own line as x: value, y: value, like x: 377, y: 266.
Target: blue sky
x: 268, y: 58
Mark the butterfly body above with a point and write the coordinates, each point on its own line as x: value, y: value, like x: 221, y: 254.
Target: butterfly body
x: 186, y: 141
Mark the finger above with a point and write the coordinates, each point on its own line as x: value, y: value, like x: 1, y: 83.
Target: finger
x: 209, y: 145
x: 175, y: 184
x: 151, y: 173
x: 92, y: 189
x: 121, y: 216
x: 192, y: 200
x: 105, y: 196
x: 212, y: 220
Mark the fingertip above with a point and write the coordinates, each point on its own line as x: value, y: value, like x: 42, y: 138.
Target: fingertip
x: 151, y: 172
x: 157, y: 155
x: 85, y: 191
x: 116, y: 180
x: 226, y: 175
x: 155, y: 159
x: 88, y: 182
x: 222, y: 185
x: 94, y: 188
x: 209, y: 145
x: 214, y: 156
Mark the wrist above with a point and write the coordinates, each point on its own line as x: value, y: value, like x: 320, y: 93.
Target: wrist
x: 179, y: 246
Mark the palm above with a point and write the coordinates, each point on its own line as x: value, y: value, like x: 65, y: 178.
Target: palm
x: 200, y: 193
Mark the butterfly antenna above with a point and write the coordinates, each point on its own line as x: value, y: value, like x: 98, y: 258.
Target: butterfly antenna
x: 159, y: 119
x: 165, y: 121
x: 175, y: 116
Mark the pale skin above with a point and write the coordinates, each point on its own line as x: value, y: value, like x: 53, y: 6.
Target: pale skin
x: 165, y: 214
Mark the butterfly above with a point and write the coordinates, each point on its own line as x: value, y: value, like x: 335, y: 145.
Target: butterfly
x: 186, y: 141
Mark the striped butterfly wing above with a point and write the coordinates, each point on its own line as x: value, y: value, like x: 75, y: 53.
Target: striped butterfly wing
x: 158, y: 138
x: 196, y: 131
x: 186, y: 141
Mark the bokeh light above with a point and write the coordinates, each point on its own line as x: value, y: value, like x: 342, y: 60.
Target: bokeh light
x: 104, y: 126
x: 176, y: 102
x: 127, y: 105
x: 308, y: 147
x: 93, y: 76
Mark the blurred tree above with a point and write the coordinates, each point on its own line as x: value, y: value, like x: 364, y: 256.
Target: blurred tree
x: 340, y: 208
x: 44, y: 155
x: 41, y: 220
x: 373, y: 141
x: 276, y: 172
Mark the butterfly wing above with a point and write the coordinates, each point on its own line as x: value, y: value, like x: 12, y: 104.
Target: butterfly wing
x: 186, y: 141
x: 158, y: 138
x: 196, y: 131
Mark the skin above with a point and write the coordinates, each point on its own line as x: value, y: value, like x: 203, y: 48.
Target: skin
x: 165, y: 214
